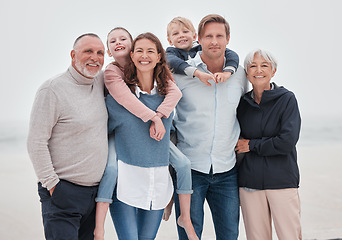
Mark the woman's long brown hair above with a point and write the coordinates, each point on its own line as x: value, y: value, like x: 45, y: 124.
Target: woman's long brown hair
x: 161, y: 72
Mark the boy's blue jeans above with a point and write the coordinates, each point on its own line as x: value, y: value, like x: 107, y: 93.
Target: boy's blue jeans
x: 178, y: 160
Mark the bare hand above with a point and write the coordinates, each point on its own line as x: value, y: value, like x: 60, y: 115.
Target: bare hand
x: 51, y: 190
x: 222, y: 76
x: 157, y: 129
x: 204, y: 77
x: 242, y: 146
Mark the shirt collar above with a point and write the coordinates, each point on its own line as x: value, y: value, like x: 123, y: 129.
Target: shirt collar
x: 138, y: 91
x: 197, y: 61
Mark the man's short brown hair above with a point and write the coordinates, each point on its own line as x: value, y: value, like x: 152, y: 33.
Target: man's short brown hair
x: 213, y: 18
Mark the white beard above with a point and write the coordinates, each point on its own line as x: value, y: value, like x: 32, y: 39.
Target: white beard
x: 84, y: 70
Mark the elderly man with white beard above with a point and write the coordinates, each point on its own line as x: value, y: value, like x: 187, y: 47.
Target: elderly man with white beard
x: 67, y: 142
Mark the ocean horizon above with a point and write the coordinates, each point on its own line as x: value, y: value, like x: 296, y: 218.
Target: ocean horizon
x: 314, y: 131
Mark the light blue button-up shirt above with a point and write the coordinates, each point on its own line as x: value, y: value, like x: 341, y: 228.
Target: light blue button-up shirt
x: 206, y: 123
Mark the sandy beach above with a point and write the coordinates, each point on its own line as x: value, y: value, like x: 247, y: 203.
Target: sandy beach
x: 321, y: 198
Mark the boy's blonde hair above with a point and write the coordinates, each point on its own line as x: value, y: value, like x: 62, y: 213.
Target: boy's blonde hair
x: 181, y: 20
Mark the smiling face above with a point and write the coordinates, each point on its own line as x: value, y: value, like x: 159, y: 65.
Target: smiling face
x: 181, y: 37
x: 145, y: 55
x: 213, y: 40
x: 119, y: 44
x: 88, y: 56
x: 260, y: 72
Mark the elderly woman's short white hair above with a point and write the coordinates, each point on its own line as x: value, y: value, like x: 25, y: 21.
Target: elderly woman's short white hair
x: 265, y: 54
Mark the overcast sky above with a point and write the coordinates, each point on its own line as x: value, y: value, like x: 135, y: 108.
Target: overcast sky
x: 305, y: 37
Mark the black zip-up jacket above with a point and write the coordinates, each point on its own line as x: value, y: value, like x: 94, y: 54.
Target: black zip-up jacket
x: 273, y: 128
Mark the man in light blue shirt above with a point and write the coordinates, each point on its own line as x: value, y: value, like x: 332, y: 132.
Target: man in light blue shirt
x: 208, y: 130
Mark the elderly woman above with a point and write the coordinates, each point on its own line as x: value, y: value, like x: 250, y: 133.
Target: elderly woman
x: 268, y: 175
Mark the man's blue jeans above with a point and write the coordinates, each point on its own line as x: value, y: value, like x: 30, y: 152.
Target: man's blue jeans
x: 222, y: 194
x: 133, y: 223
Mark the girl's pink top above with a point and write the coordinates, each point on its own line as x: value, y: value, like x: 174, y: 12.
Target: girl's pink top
x: 114, y: 81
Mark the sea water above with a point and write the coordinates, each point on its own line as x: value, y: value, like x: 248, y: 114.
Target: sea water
x: 315, y: 130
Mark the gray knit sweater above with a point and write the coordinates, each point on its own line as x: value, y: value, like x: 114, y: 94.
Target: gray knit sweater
x: 68, y: 130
